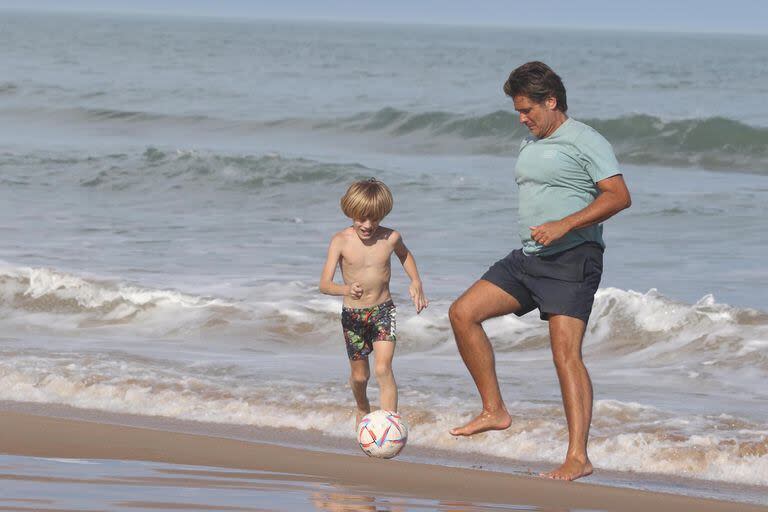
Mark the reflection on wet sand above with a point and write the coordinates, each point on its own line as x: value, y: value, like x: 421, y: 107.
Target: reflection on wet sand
x: 32, y: 483
x: 339, y: 501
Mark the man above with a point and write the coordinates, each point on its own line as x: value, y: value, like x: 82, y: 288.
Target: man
x: 569, y: 182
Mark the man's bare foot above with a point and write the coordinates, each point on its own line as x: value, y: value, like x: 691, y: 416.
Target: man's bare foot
x: 359, y: 415
x: 498, y: 420
x: 570, y: 470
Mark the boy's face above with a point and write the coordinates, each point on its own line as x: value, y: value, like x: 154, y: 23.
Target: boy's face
x: 365, y: 228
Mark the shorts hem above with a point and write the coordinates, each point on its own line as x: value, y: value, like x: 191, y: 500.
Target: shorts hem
x: 544, y: 315
x: 525, y: 307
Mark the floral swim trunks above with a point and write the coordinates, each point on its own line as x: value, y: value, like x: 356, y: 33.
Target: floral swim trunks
x: 363, y: 326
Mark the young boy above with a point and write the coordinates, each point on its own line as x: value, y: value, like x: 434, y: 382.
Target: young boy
x: 363, y: 251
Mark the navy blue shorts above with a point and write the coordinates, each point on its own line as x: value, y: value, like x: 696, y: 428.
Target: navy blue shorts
x: 562, y: 284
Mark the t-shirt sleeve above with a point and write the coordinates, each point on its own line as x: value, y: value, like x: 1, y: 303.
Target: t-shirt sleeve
x: 597, y: 156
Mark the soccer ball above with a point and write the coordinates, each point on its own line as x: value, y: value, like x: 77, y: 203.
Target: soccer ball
x: 382, y: 434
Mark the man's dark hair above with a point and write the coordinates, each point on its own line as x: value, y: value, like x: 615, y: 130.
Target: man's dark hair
x: 538, y: 82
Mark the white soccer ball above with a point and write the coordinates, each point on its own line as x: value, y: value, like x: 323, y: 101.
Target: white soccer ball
x: 382, y: 434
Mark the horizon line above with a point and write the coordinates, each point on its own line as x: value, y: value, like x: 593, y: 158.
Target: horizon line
x: 320, y: 19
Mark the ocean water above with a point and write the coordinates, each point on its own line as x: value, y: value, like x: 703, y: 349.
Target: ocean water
x: 169, y: 188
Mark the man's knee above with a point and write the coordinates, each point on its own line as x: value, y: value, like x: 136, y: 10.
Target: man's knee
x: 564, y: 358
x: 460, y: 314
x: 566, y: 352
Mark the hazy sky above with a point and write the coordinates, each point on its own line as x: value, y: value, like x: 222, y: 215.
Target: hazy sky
x: 748, y: 16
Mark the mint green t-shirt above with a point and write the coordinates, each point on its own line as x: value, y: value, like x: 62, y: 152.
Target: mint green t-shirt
x: 558, y: 176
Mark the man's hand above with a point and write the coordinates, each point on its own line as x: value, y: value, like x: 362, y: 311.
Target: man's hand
x: 355, y: 290
x: 550, y: 232
x: 417, y: 296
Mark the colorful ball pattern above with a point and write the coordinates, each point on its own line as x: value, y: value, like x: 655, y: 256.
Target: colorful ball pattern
x: 382, y: 434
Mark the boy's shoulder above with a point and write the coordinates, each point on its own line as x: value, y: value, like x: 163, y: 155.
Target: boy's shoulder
x: 344, y: 235
x: 388, y: 234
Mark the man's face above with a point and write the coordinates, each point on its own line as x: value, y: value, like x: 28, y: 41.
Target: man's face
x: 542, y: 119
x: 365, y: 228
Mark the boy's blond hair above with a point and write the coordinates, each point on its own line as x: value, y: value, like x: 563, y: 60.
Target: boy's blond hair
x: 367, y: 199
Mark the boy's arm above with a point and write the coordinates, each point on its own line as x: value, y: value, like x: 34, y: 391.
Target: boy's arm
x: 327, y: 285
x: 409, y: 265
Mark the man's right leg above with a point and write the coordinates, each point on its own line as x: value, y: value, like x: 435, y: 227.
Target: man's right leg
x: 358, y: 380
x: 483, y: 300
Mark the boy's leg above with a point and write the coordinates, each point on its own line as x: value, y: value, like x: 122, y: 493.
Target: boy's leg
x: 358, y: 380
x: 384, y: 351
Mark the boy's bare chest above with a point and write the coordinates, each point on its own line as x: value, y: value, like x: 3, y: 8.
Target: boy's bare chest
x: 367, y: 257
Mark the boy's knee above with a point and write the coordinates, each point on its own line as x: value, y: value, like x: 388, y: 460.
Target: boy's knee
x: 359, y: 378
x: 383, y: 371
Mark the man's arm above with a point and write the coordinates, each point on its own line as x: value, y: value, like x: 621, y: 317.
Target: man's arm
x: 327, y: 286
x: 613, y: 197
x: 409, y: 265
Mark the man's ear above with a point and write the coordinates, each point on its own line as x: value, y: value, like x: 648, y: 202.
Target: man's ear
x: 551, y: 103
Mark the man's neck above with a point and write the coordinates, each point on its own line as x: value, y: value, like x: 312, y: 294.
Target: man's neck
x: 558, y: 120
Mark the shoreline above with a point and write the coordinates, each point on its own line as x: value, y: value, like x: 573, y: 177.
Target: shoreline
x: 36, y: 435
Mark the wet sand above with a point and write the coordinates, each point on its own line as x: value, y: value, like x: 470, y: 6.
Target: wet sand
x: 32, y: 435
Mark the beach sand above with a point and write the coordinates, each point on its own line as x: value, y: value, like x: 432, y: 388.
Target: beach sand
x: 31, y: 435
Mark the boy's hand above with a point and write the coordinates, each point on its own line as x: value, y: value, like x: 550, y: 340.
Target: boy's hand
x: 417, y: 296
x: 355, y: 290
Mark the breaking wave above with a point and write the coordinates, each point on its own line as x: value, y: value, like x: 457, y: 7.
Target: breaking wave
x: 646, y: 327
x: 253, y: 172
x: 162, y: 170
x: 64, y: 303
x: 713, y: 142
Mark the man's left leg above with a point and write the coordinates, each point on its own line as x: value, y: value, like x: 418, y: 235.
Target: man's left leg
x: 567, y: 334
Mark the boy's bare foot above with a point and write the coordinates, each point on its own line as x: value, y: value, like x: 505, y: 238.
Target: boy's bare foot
x: 570, y: 470
x: 359, y: 415
x: 498, y: 420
